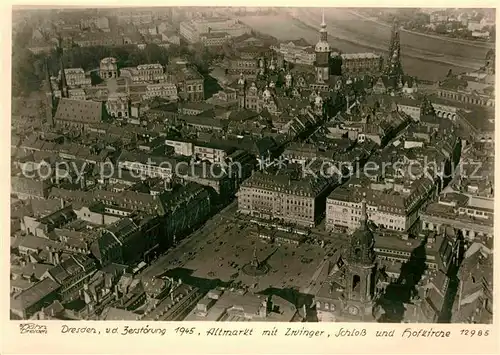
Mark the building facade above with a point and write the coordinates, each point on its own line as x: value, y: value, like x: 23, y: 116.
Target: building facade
x: 149, y: 72
x: 75, y: 77
x: 118, y: 105
x: 473, y: 216
x: 192, y: 31
x: 361, y: 64
x: 281, y: 198
x: 297, y: 52
x: 163, y: 90
x: 214, y: 39
x: 387, y: 210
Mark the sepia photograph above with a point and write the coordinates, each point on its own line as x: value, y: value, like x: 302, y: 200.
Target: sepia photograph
x: 252, y: 164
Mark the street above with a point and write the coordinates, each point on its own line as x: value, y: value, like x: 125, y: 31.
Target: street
x: 174, y: 256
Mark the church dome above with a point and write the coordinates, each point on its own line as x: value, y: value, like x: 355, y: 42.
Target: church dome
x: 322, y: 46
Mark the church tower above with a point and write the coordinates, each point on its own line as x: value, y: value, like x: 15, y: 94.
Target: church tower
x: 394, y: 69
x: 242, y: 92
x: 322, y: 50
x: 360, y: 266
x: 63, y: 84
x: 50, y: 100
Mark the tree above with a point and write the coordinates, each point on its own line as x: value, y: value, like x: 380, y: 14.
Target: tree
x: 24, y: 78
x: 155, y: 54
x: 441, y: 29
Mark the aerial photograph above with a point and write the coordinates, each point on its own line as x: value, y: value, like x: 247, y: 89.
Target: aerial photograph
x: 252, y: 164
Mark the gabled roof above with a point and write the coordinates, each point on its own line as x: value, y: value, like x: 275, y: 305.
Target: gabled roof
x: 34, y: 294
x: 85, y: 111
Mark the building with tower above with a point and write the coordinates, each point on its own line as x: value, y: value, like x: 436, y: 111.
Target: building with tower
x: 349, y: 290
x: 322, y: 49
x: 50, y: 99
x: 393, y: 80
x: 62, y: 90
x: 256, y: 97
x: 63, y: 83
x: 108, y: 68
x: 394, y: 69
x: 360, y: 267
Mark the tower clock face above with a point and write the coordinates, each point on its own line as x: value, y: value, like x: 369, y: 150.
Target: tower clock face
x: 353, y: 310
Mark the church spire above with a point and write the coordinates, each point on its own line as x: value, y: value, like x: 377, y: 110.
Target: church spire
x: 323, y: 34
x: 64, y: 84
x: 48, y: 83
x: 364, y: 215
x: 322, y: 49
x: 394, y: 68
x: 50, y: 103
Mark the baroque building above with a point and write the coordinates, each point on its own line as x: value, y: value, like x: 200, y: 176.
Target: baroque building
x: 349, y: 291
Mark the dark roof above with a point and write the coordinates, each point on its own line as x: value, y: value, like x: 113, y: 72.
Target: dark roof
x: 453, y: 83
x: 309, y: 186
x: 182, y: 196
x: 85, y: 111
x: 34, y: 294
x: 69, y: 267
x: 204, y: 121
x: 202, y: 106
x: 242, y: 115
x: 480, y: 119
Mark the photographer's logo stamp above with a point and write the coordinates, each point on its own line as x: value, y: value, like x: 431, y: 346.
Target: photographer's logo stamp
x: 32, y: 328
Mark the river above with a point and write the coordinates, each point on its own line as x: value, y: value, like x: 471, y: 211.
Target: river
x: 426, y: 57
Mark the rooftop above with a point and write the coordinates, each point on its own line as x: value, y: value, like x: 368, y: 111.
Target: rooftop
x: 234, y: 306
x: 34, y: 294
x: 306, y: 186
x: 85, y: 111
x: 360, y: 56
